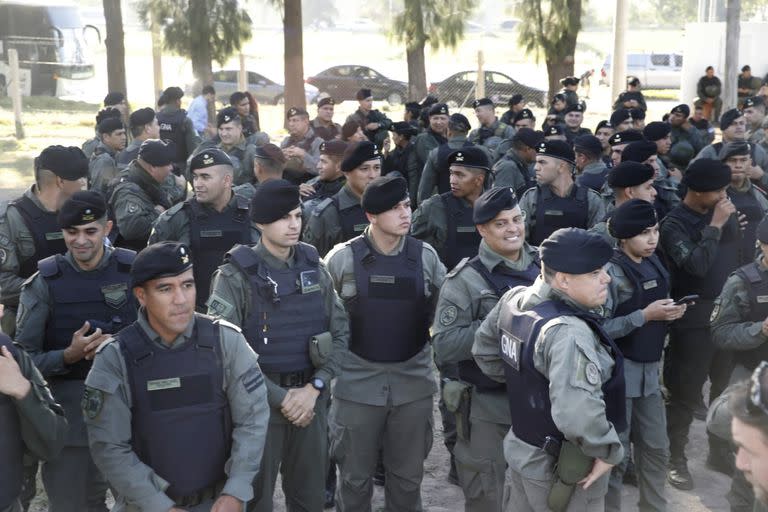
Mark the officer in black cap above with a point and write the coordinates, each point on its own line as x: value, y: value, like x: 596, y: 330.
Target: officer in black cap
x: 524, y: 119
x: 143, y: 125
x: 103, y: 166
x: 701, y: 239
x: 645, y: 152
x: 632, y: 97
x: 619, y: 141
x: 516, y: 105
x: 90, y: 145
x: 570, y: 86
x: 682, y: 132
x: 266, y: 288
x: 323, y: 124
x: 660, y: 133
x: 468, y: 294
x: 589, y: 164
x: 754, y: 113
x: 564, y: 378
x: 491, y: 131
x: 603, y: 132
x: 557, y: 201
x: 412, y: 113
x: 733, y: 126
x: 73, y: 303
x: 385, y: 385
x: 176, y: 126
x: 573, y: 117
x: 375, y: 125
x: 29, y: 230
x: 211, y: 222
x: 201, y: 451
x: 397, y: 159
x: 628, y: 180
x: 330, y: 179
x: 436, y: 134
x: 301, y: 147
x: 515, y: 168
x: 638, y: 118
x: 555, y: 132
x: 621, y: 120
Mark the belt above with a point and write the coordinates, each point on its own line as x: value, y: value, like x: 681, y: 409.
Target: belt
x: 192, y: 500
x: 291, y: 379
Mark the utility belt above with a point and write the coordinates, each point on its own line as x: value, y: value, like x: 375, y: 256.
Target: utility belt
x: 292, y: 379
x: 193, y: 500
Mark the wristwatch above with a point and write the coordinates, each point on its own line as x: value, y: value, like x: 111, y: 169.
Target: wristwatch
x: 318, y: 384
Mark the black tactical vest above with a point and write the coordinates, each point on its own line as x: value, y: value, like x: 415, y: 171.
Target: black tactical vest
x: 501, y: 280
x: 211, y: 235
x: 554, y: 212
x: 46, y: 234
x: 389, y: 318
x: 650, y: 282
x: 180, y: 420
x: 747, y: 204
x: 528, y: 389
x: 442, y: 169
x: 757, y: 287
x: 462, y: 239
x: 352, y: 219
x: 172, y: 127
x: 287, y: 308
x: 103, y: 296
x: 11, y: 444
x: 595, y: 181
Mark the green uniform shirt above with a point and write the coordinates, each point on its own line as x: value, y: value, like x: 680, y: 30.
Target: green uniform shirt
x: 427, y: 169
x: 134, y: 208
x: 102, y: 168
x: 511, y: 171
x: 323, y: 228
x: 430, y: 222
x: 242, y: 155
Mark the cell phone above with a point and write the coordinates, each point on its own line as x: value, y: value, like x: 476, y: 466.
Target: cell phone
x: 686, y: 300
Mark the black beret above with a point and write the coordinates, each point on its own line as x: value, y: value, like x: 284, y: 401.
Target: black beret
x: 588, y: 144
x: 681, y: 154
x: 729, y: 117
x: 413, y: 107
x: 528, y: 137
x: 106, y: 113
x: 620, y: 115
x: 604, y: 124
x: 569, y: 80
x: 142, y: 117
x: 270, y: 152
x: 363, y: 94
x: 577, y: 107
x: 682, y: 109
x: 625, y: 137
x: 459, y: 122
x: 575, y: 251
x: 172, y: 93
x: 481, y: 102
x: 488, y: 205
x: 404, y: 128
x: 523, y: 114
x: 639, y: 151
x: 209, y: 158
x: 296, y: 111
x: 333, y: 147
x: 68, y: 163
x: 515, y: 99
x: 555, y: 129
x: 557, y: 149
x: 629, y: 174
x: 558, y: 97
x: 754, y: 101
x: 762, y: 231
x: 274, y: 199
x: 109, y: 125
x: 735, y: 148
x: 707, y: 175
x: 384, y: 193
x: 428, y: 100
x: 226, y: 115
x: 631, y: 218
x: 438, y: 109
x: 358, y: 154
x: 163, y: 259
x: 83, y: 207
x: 637, y: 113
x: 325, y: 101
x: 157, y: 152
x: 113, y: 98
x: 470, y: 156
x: 656, y: 130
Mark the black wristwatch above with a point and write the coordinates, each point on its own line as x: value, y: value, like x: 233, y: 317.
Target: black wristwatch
x: 318, y: 384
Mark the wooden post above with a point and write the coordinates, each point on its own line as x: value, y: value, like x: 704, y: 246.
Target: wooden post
x: 157, y: 57
x: 13, y: 62
x: 731, y: 71
x: 242, y: 75
x: 619, y: 58
x: 480, y: 86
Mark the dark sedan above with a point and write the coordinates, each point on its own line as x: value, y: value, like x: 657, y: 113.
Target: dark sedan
x: 459, y: 89
x: 343, y: 82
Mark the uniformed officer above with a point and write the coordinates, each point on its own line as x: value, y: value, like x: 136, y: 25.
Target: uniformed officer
x: 557, y: 201
x: 211, y: 222
x: 491, y: 131
x: 374, y: 124
x: 323, y: 124
x: 340, y: 217
x: 283, y: 297
x: 619, y: 141
x: 574, y: 116
x: 436, y: 134
x: 644, y: 152
x: 90, y: 145
x: 516, y: 105
x: 445, y: 221
x: 621, y: 120
x: 524, y: 119
x: 383, y: 393
x: 637, y: 315
x: 515, y: 168
x: 72, y: 304
x: 103, y: 167
x: 175, y: 404
x: 241, y: 101
x: 30, y: 421
x: 570, y: 86
x: 754, y: 113
x: 176, y: 126
x: 555, y: 132
x: 660, y: 133
x: 682, y: 132
x: 632, y: 97
x: 330, y: 179
x: 564, y: 379
x: 628, y: 180
x: 603, y: 132
x: 268, y: 162
x: 589, y: 164
x: 638, y: 118
x: 700, y: 238
x: 301, y: 147
x: 468, y: 294
x: 29, y: 230
x: 143, y: 126
x: 398, y: 159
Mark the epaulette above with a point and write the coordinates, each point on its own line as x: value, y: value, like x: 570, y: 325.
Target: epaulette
x: 457, y: 268
x: 3, y: 210
x: 225, y: 323
x: 322, y: 205
x: 104, y: 344
x: 173, y: 210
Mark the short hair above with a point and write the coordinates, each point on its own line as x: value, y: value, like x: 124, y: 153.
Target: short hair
x: 236, y: 97
x: 457, y: 126
x: 42, y: 176
x: 349, y: 129
x: 741, y: 407
x: 208, y: 89
x: 709, y: 67
x: 547, y: 273
x: 588, y: 154
x: 270, y: 166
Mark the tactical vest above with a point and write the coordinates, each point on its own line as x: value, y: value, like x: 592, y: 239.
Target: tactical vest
x: 286, y: 310
x: 595, y: 181
x: 757, y: 287
x: 501, y: 280
x: 11, y: 444
x: 442, y: 169
x: 747, y: 204
x: 554, y: 212
x: 173, y: 127
x: 102, y: 295
x: 389, y: 318
x: 326, y: 132
x: 528, y: 389
x: 211, y: 235
x: 46, y: 234
x: 180, y: 418
x: 650, y: 282
x: 352, y: 220
x: 462, y: 239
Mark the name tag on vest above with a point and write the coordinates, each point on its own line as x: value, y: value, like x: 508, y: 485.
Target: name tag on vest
x: 160, y: 384
x: 650, y: 284
x: 762, y: 299
x: 511, y: 346
x: 359, y: 227
x: 56, y: 235
x: 382, y: 279
x: 466, y: 229
x: 216, y: 233
x: 558, y: 213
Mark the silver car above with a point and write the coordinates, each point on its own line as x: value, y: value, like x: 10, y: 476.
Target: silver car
x: 262, y: 88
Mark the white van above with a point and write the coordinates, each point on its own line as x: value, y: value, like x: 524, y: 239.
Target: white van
x: 655, y: 70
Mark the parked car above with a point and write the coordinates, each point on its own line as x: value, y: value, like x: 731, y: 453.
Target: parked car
x: 655, y: 70
x: 459, y: 89
x: 342, y: 83
x: 262, y: 88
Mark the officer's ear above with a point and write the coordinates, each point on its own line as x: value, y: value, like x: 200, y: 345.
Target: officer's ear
x: 372, y: 218
x: 108, y: 228
x: 141, y: 294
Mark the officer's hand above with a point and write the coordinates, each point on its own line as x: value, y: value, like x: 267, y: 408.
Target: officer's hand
x: 12, y: 382
x: 385, y: 147
x: 82, y: 346
x: 754, y: 172
x: 723, y: 210
x: 663, y: 310
x: 227, y: 503
x: 677, y: 174
x: 599, y: 468
x: 306, y: 190
x: 181, y: 182
x: 764, y: 328
x: 299, y: 405
x: 298, y: 152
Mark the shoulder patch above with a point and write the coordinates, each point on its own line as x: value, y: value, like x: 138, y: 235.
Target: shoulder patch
x: 715, y: 311
x: 457, y: 268
x: 221, y: 321
x: 448, y: 315
x: 322, y: 205
x: 220, y: 307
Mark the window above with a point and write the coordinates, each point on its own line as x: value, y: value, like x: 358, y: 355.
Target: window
x: 225, y: 76
x: 498, y: 78
x: 661, y: 59
x: 635, y: 60
x: 678, y: 61
x: 343, y: 71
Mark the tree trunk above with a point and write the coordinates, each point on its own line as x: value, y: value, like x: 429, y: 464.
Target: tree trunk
x: 417, y: 73
x: 557, y: 68
x: 113, y: 16
x: 294, y: 55
x: 201, y: 43
x: 732, y: 32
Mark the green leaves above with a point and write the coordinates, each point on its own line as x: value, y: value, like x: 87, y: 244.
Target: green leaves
x: 439, y: 23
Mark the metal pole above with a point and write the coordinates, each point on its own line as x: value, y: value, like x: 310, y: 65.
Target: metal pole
x: 619, y: 64
x: 13, y: 62
x: 480, y: 89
